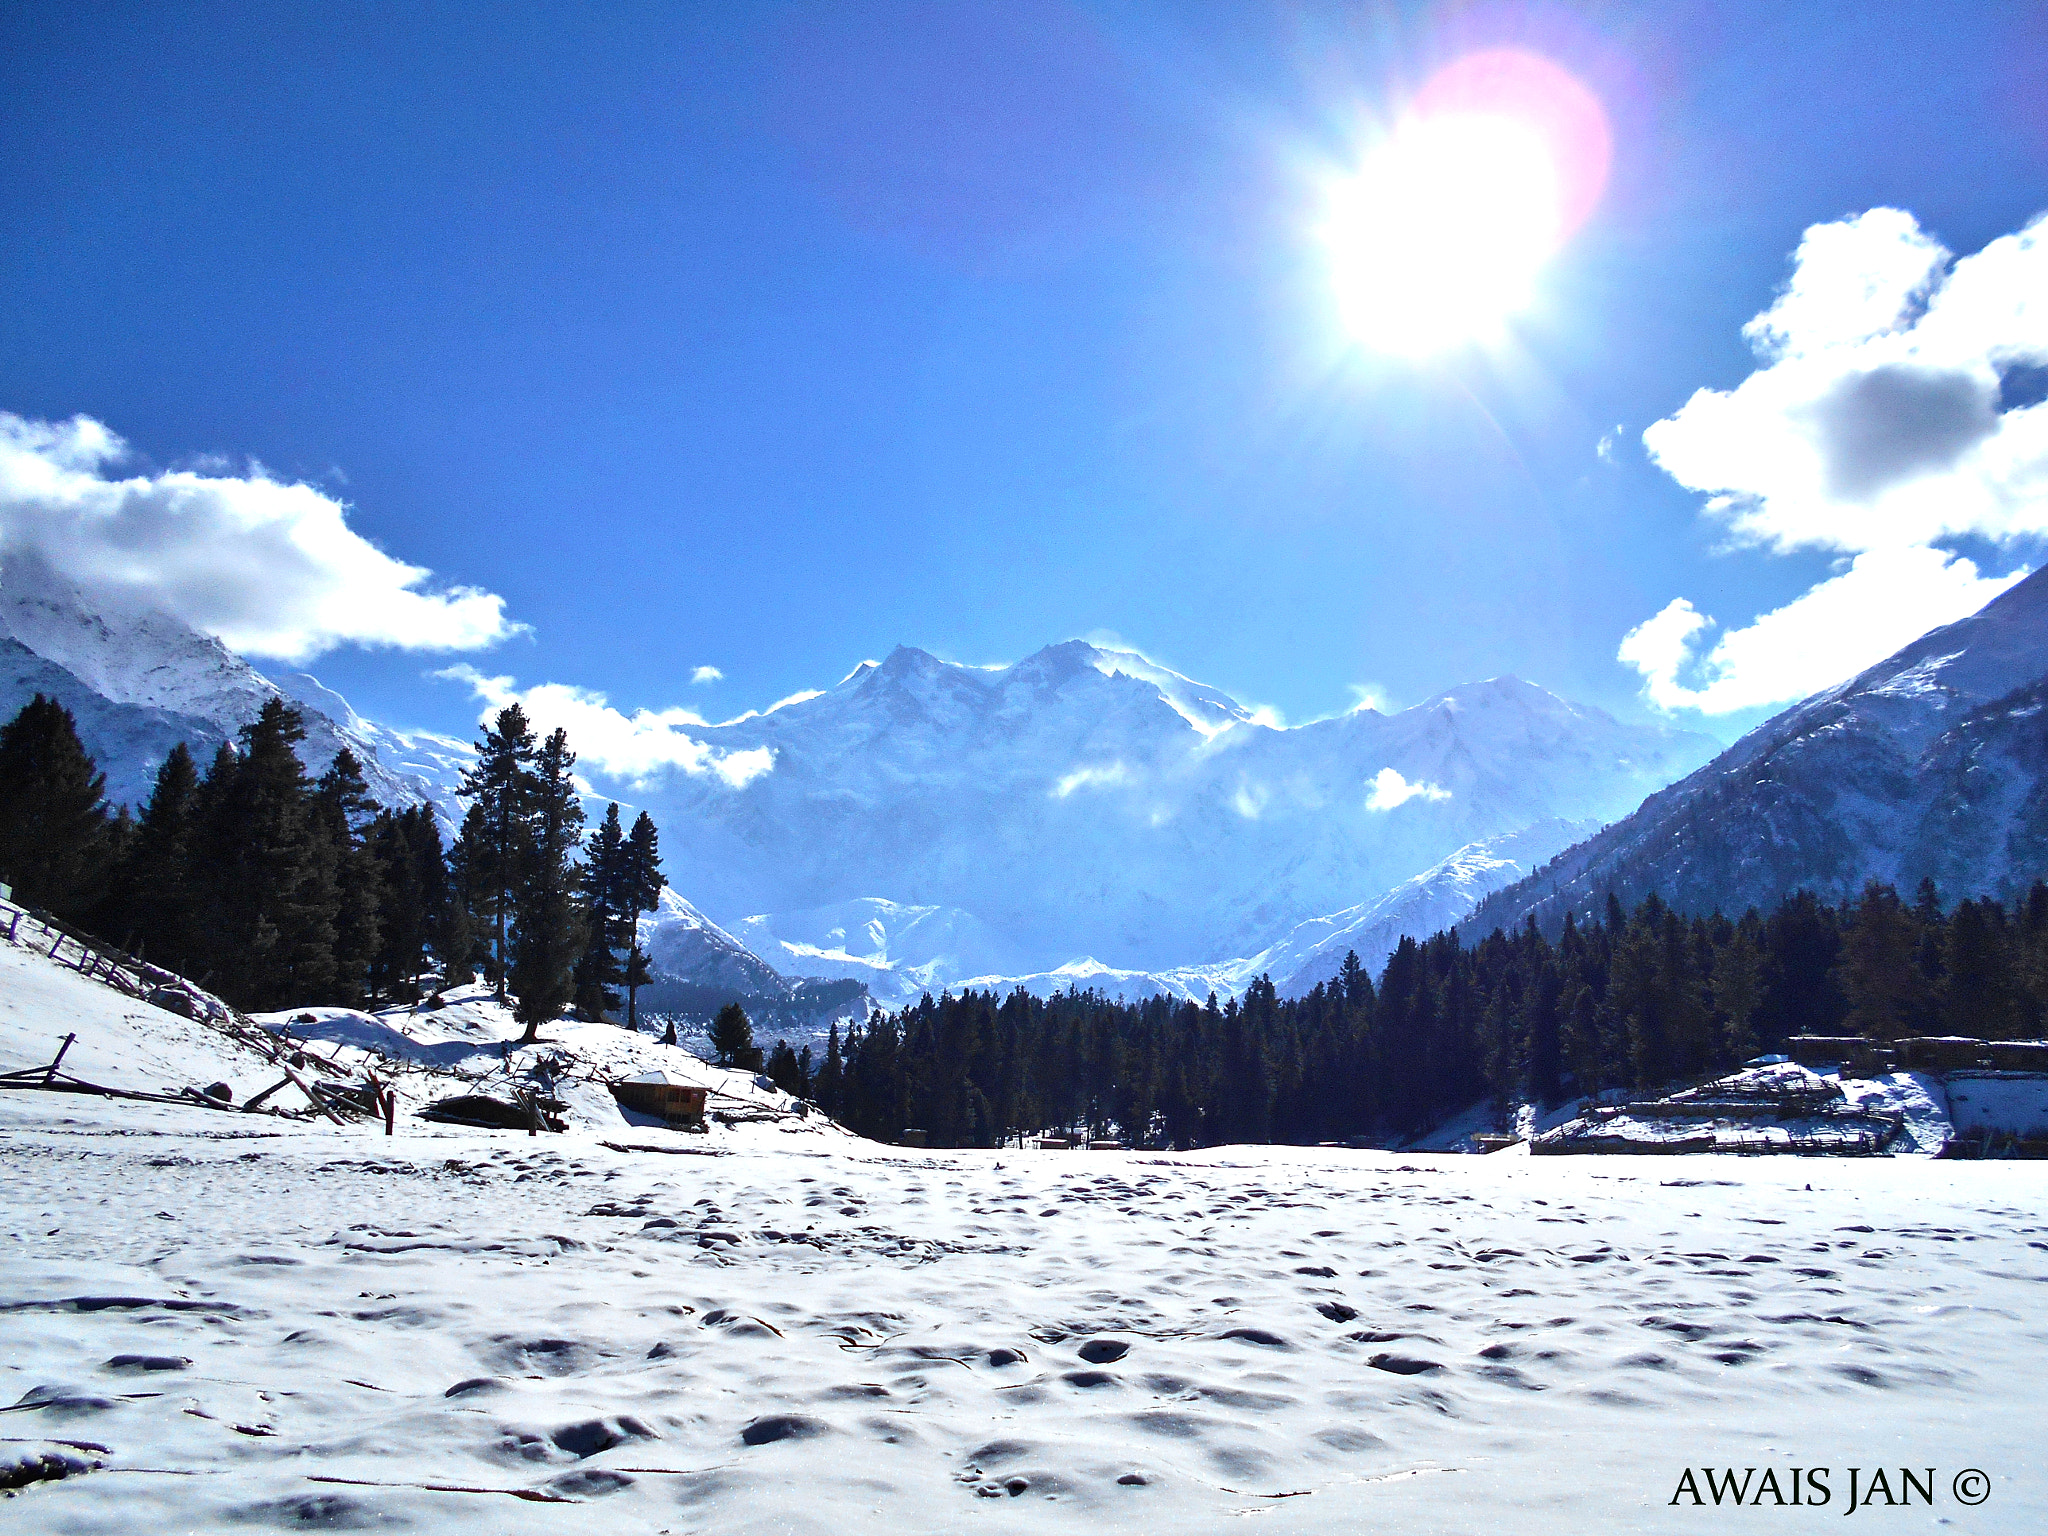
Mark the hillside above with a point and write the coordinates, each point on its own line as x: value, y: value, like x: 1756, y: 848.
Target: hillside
x: 1931, y: 764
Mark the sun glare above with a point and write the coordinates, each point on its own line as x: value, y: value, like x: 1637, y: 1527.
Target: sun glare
x: 1438, y: 237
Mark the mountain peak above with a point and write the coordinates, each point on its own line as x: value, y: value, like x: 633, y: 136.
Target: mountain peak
x: 907, y: 661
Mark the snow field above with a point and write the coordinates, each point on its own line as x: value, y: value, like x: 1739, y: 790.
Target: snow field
x: 277, y: 1324
x: 854, y: 1340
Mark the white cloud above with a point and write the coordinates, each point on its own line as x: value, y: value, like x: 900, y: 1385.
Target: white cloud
x: 636, y: 747
x: 1249, y: 800
x: 1609, y: 444
x: 268, y: 567
x: 706, y: 675
x: 1369, y: 696
x: 1391, y: 788
x: 1886, y: 599
x: 1879, y: 426
x: 1098, y: 776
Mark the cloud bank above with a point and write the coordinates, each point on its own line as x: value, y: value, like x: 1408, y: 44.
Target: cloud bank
x: 636, y: 748
x: 1896, y: 409
x: 269, y: 567
x: 1390, y: 788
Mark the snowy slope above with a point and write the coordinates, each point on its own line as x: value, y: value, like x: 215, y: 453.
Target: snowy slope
x: 1432, y: 901
x: 684, y: 945
x: 1933, y: 763
x: 141, y: 680
x: 128, y: 741
x: 467, y: 1043
x: 898, y: 952
x: 1190, y: 983
x: 1088, y: 802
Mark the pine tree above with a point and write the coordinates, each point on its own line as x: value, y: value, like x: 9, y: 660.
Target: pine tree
x: 1978, y: 995
x: 500, y: 789
x: 638, y: 973
x: 549, y: 930
x: 304, y: 902
x: 644, y: 882
x: 1879, y: 968
x: 607, y: 901
x: 1737, y: 981
x: 153, y: 885
x: 403, y: 921
x: 465, y: 943
x: 343, y: 813
x: 54, y: 846
x: 732, y: 1038
x: 790, y: 1073
x: 267, y: 869
x: 444, y: 920
x: 831, y: 1084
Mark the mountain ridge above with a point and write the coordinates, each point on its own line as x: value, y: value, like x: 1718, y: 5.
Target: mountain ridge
x: 1084, y: 801
x: 1932, y: 763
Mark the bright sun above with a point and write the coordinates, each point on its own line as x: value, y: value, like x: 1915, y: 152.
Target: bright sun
x: 1440, y: 234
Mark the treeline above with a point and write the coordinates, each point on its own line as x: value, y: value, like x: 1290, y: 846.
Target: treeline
x: 277, y: 889
x: 1633, y: 1000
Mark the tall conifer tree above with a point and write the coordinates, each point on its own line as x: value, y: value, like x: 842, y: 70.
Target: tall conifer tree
x: 644, y: 882
x: 549, y: 932
x: 154, y: 886
x: 54, y: 847
x: 500, y: 791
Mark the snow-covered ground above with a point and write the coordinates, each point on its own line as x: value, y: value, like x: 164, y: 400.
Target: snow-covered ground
x: 470, y: 1044
x: 270, y: 1323
x: 1777, y: 1107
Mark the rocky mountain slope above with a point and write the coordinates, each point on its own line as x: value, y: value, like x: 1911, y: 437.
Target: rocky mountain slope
x: 1933, y: 763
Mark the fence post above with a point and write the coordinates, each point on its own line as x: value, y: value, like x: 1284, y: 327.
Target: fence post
x: 51, y: 1075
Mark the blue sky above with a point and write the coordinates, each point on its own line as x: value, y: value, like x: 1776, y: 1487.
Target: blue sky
x: 764, y: 338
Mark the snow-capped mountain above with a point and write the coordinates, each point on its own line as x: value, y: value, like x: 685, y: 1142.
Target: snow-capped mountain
x: 1087, y: 802
x: 699, y: 967
x: 128, y: 741
x: 1428, y: 903
x: 1933, y: 763
x: 683, y: 944
x: 139, y: 680
x: 898, y: 952
x: 419, y: 758
x: 1083, y: 816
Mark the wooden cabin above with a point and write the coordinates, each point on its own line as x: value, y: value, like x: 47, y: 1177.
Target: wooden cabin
x: 662, y: 1093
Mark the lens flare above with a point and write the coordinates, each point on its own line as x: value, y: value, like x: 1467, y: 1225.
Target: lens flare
x: 1440, y: 234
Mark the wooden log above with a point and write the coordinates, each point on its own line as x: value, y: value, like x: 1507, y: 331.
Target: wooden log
x: 257, y: 1101
x: 51, y: 1075
x: 318, y: 1103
